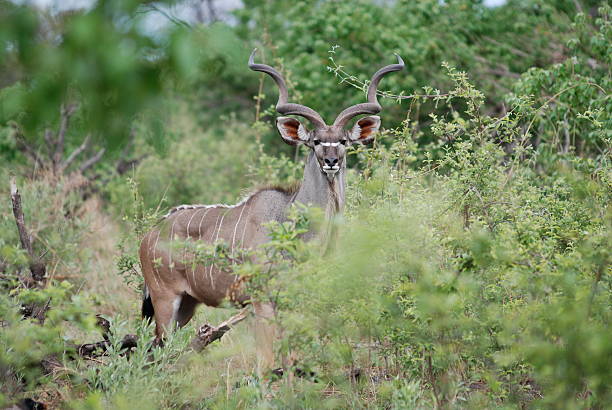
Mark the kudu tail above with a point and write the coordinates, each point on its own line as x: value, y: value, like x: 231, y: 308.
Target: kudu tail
x: 147, y: 305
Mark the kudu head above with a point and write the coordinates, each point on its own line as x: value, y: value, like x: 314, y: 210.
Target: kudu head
x: 329, y: 142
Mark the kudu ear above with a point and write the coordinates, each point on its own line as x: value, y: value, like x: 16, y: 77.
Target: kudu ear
x: 364, y: 130
x: 292, y: 131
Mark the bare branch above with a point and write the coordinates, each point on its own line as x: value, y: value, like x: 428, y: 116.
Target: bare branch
x: 24, y: 147
x: 88, y: 350
x: 206, y: 334
x: 149, y: 7
x: 92, y: 161
x: 49, y: 141
x: 66, y: 112
x: 75, y: 154
x: 37, y: 268
x: 24, y: 237
x: 124, y: 166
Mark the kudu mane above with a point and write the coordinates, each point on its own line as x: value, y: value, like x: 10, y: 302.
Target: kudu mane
x: 287, y: 189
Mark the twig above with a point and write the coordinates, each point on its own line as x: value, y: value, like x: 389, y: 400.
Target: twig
x: 49, y: 139
x: 542, y: 107
x: 75, y: 154
x: 65, y: 113
x: 363, y: 85
x: 24, y: 237
x: 37, y: 268
x: 92, y: 161
x: 151, y: 7
x: 23, y: 146
x: 124, y: 166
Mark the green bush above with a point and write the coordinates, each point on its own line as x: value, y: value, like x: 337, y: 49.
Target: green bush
x: 470, y: 267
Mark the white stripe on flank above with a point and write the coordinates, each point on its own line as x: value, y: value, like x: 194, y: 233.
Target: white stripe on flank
x: 171, y: 239
x: 202, y: 220
x: 245, y: 226
x: 152, y: 250
x: 149, y: 244
x: 189, y: 223
x: 188, y: 237
x: 236, y: 227
x: 155, y: 272
x: 212, y: 281
x: 193, y: 270
x: 215, y: 228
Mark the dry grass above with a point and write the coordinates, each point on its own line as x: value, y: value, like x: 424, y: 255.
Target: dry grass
x: 100, y: 278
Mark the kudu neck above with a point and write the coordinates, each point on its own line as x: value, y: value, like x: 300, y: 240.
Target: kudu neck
x: 317, y: 190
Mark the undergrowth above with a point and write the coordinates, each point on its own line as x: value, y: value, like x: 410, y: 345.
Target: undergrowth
x: 471, y: 266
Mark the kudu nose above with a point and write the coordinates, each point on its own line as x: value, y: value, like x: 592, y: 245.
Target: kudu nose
x: 331, y: 161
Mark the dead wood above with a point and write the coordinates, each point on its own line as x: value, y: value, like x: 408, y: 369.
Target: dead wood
x: 24, y: 147
x: 65, y: 113
x: 206, y: 334
x: 53, y: 156
x: 37, y: 268
x: 92, y: 161
x: 97, y: 349
x: 75, y: 154
x: 124, y: 165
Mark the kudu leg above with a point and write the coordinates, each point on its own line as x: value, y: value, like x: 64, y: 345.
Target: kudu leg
x: 166, y: 312
x: 265, y: 335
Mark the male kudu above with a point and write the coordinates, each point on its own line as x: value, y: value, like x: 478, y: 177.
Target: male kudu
x: 174, y: 285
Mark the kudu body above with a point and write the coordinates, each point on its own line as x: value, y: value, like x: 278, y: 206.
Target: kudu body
x: 174, y: 286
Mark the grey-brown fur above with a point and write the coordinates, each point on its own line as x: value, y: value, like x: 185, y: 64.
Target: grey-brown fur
x: 176, y: 285
x: 239, y: 226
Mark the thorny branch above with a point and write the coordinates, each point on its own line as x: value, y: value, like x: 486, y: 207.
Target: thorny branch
x: 363, y: 85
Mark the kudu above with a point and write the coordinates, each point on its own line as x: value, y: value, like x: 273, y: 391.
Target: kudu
x: 174, y: 286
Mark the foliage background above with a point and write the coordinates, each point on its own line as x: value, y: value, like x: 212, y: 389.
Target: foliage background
x: 472, y: 267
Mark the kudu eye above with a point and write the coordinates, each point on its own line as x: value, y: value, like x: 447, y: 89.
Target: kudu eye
x: 316, y: 142
x: 343, y: 142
